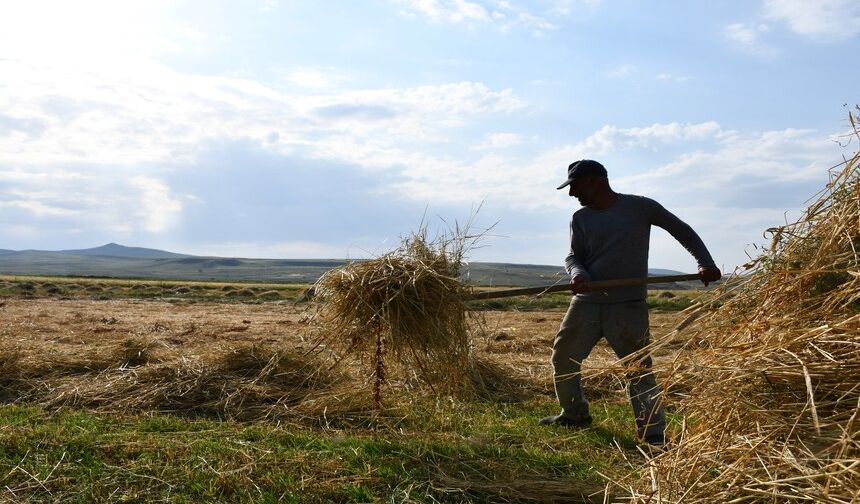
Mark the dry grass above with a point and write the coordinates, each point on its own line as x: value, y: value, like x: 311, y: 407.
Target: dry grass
x: 405, y: 309
x: 240, y: 381
x: 211, y: 360
x: 517, y: 487
x: 105, y: 289
x: 768, y: 383
x: 117, y: 357
x: 131, y: 359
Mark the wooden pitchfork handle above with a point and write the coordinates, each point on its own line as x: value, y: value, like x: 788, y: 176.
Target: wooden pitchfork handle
x: 592, y: 286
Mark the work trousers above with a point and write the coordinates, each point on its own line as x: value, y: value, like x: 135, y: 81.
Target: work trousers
x: 625, y: 327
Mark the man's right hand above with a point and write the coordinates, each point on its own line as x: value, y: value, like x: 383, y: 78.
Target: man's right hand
x: 708, y: 275
x: 580, y: 283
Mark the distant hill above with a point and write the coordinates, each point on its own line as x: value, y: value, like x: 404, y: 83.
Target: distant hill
x: 663, y: 272
x: 114, y: 260
x: 117, y: 250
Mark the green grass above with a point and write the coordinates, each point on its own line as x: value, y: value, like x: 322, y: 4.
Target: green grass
x: 683, y: 299
x: 559, y: 301
x: 554, y: 301
x: 77, y: 456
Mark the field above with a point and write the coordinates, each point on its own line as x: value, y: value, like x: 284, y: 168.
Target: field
x: 195, y: 391
x: 150, y: 390
x: 32, y: 287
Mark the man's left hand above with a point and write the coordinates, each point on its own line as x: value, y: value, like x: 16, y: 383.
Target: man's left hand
x: 710, y: 275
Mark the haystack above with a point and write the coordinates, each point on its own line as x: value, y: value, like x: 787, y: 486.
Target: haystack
x: 768, y: 384
x: 403, y: 310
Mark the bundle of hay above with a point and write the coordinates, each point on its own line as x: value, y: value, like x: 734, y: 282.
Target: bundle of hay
x: 770, y: 379
x: 405, y: 309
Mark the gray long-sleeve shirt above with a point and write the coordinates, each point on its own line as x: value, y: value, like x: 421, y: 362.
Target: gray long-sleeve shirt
x: 613, y: 243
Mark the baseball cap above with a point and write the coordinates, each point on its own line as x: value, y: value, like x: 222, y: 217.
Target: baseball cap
x: 583, y: 168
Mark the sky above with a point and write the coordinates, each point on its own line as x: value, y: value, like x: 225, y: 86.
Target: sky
x: 331, y: 129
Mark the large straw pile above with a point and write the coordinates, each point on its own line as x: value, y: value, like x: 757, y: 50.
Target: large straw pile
x: 404, y: 309
x: 769, y: 384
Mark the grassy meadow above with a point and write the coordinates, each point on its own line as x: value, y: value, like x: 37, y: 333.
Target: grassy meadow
x: 431, y: 452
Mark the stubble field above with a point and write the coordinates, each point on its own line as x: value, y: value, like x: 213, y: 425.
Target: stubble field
x: 193, y: 400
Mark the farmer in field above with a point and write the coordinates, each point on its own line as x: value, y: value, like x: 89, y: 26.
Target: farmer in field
x: 609, y: 239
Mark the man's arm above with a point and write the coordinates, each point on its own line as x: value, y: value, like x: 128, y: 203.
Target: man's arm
x: 573, y: 263
x: 688, y: 238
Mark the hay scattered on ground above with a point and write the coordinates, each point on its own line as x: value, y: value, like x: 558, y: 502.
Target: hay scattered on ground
x: 403, y: 309
x: 241, y: 382
x: 505, y: 486
x: 768, y: 385
x: 496, y: 381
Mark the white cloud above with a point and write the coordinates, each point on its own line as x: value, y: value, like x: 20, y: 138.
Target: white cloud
x: 701, y: 155
x: 499, y: 141
x: 450, y: 11
x: 502, y: 14
x: 610, y: 137
x: 667, y: 77
x: 101, y: 140
x: 629, y: 70
x: 524, y: 184
x: 748, y: 38
x: 824, y: 19
x: 160, y: 116
x: 268, y: 5
x: 98, y: 199
x: 780, y: 156
x: 733, y: 189
x: 567, y: 7
x: 37, y: 208
x: 90, y: 34
x: 314, y: 78
x: 158, y: 209
x: 622, y: 71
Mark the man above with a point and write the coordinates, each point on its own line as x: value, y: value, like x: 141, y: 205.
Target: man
x: 609, y: 239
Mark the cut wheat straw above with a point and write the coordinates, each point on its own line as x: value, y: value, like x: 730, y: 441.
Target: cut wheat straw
x: 768, y: 384
x: 241, y: 382
x: 404, y: 309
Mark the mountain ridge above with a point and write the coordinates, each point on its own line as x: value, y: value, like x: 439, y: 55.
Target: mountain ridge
x: 116, y: 250
x: 120, y: 261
